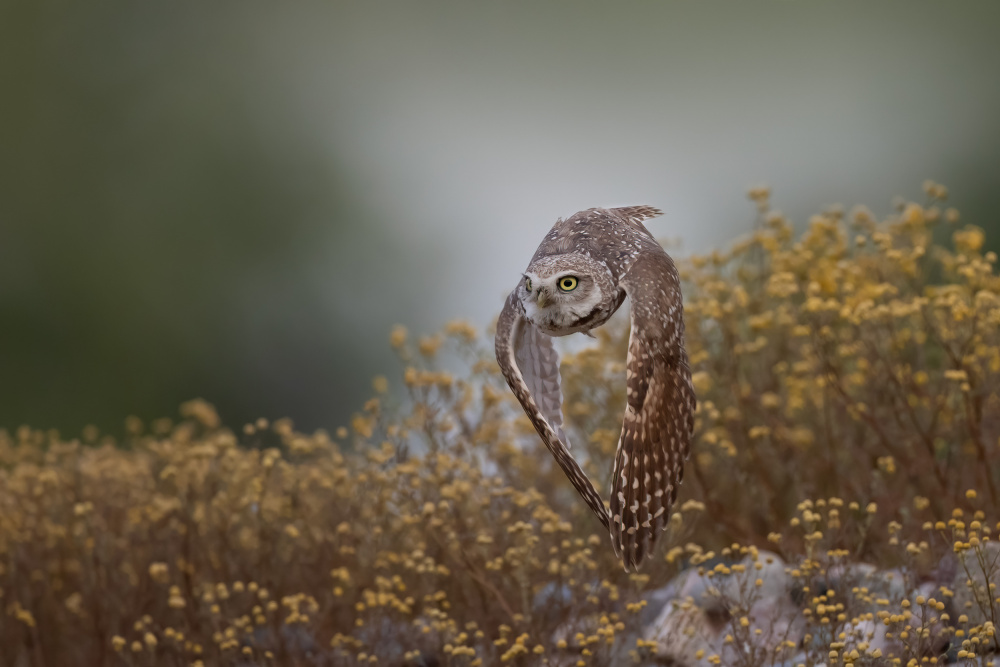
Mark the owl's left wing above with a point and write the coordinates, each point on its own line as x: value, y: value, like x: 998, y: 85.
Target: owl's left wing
x: 659, y: 410
x: 530, y: 364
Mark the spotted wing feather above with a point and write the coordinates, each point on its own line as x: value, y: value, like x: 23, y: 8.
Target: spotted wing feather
x: 637, y: 214
x: 659, y: 411
x: 538, y: 361
x: 521, y: 379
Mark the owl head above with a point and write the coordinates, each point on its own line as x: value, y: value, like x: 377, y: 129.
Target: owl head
x: 564, y: 294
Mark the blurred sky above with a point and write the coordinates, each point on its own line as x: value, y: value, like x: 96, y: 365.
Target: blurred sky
x: 237, y: 200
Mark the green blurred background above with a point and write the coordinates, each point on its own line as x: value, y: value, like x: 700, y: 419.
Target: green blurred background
x: 237, y: 200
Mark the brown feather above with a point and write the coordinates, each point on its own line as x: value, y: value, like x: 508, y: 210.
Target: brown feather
x: 511, y: 319
x: 614, y: 248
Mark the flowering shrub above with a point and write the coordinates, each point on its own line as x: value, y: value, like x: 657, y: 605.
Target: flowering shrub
x: 848, y: 423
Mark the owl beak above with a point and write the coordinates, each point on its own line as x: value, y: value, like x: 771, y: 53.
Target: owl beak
x: 541, y: 298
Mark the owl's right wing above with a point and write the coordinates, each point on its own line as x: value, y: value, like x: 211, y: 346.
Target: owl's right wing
x: 530, y: 364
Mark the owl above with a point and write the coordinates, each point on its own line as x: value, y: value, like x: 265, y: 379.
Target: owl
x: 580, y: 275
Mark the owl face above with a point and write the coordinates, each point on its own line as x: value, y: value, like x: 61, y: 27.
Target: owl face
x: 564, y: 295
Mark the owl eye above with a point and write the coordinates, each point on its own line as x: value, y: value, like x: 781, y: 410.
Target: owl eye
x: 567, y: 283
x: 527, y: 284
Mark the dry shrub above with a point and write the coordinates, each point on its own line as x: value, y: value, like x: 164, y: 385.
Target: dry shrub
x: 848, y: 388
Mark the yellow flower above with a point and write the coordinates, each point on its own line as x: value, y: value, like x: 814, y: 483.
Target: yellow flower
x: 913, y: 214
x: 429, y: 345
x: 159, y: 572
x: 887, y: 464
x: 398, y: 336
x: 702, y: 382
x: 363, y: 425
x: 462, y: 329
x: 970, y: 239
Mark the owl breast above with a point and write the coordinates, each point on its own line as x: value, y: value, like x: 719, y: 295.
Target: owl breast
x: 565, y: 319
x: 556, y: 322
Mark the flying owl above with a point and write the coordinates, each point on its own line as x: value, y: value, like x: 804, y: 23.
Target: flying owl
x: 578, y: 277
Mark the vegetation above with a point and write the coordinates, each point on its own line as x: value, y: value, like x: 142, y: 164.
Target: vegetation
x: 849, y: 393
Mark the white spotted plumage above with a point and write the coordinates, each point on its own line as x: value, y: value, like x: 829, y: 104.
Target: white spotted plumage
x: 609, y: 255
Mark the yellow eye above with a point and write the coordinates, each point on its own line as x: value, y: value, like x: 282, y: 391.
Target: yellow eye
x: 527, y: 284
x: 567, y: 283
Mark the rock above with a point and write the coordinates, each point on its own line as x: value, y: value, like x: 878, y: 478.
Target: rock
x: 976, y: 568
x: 702, y: 612
x: 700, y: 609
